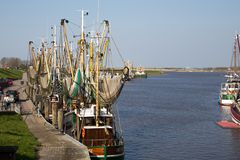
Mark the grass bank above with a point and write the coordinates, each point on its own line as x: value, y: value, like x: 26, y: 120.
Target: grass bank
x: 14, y: 132
x: 153, y: 72
x: 11, y: 73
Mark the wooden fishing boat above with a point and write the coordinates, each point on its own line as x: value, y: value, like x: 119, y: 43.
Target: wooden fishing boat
x: 82, y: 94
x: 93, y: 119
x: 100, y: 128
x: 105, y: 140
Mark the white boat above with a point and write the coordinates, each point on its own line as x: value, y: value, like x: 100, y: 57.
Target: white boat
x: 228, y: 93
x: 140, y: 73
x: 230, y: 89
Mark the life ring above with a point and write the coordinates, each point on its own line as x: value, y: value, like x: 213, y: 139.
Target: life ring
x: 83, y: 132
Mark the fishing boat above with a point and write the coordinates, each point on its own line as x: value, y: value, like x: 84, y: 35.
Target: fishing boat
x: 230, y: 89
x: 228, y: 93
x: 80, y: 94
x: 97, y: 118
x: 140, y: 73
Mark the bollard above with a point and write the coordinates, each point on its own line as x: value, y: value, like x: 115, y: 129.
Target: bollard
x: 78, y: 127
x: 46, y: 110
x: 74, y: 106
x: 60, y: 119
x: 54, y: 112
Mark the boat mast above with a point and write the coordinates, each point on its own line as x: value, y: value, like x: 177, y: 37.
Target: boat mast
x: 238, y: 50
x: 54, y: 52
x: 67, y: 46
x: 82, y: 27
x: 235, y: 54
x: 82, y: 41
x: 46, y: 64
x: 97, y: 87
x: 33, y: 55
x: 91, y: 57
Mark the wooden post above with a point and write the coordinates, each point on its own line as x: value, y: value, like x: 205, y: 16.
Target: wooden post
x: 31, y: 92
x: 34, y: 96
x: 49, y: 104
x: 74, y: 106
x: 60, y: 119
x: 78, y: 127
x: 46, y: 110
x: 26, y: 90
x: 54, y: 111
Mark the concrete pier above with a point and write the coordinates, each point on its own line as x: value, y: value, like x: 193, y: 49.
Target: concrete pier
x: 54, y: 145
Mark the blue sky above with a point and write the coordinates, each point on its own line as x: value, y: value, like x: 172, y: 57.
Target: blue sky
x: 151, y: 33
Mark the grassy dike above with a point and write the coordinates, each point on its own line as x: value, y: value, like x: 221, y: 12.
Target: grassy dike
x: 11, y: 73
x: 14, y: 132
x: 153, y: 72
x: 150, y: 72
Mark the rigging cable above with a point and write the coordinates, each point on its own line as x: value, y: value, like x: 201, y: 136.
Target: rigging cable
x: 118, y: 50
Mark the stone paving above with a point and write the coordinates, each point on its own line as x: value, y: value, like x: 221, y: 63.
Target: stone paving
x: 54, y: 145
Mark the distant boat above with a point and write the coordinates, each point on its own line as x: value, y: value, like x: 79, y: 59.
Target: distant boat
x: 128, y: 71
x: 140, y: 73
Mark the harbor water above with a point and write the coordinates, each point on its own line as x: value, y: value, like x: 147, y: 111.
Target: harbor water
x: 173, y: 117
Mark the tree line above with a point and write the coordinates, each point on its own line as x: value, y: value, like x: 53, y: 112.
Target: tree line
x: 12, y: 62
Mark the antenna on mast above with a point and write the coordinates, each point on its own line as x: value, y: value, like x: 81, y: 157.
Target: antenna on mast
x: 98, y: 11
x: 54, y: 57
x: 84, y: 13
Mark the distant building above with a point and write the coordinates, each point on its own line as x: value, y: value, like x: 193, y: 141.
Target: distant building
x: 5, y: 66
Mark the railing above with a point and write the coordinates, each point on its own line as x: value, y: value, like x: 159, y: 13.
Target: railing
x: 10, y: 107
x: 100, y: 142
x: 8, y: 152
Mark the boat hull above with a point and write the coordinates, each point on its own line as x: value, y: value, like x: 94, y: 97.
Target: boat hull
x: 235, y: 115
x: 99, y: 140
x: 226, y: 102
x: 106, y: 152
